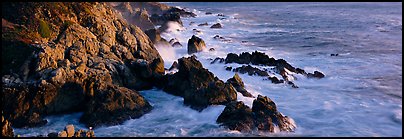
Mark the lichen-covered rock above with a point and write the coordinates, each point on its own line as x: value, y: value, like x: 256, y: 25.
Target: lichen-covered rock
x: 195, y: 44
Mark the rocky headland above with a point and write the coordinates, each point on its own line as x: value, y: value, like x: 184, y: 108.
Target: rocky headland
x: 60, y: 58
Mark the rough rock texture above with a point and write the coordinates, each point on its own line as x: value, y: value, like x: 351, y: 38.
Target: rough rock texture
x: 69, y: 130
x: 6, y: 129
x: 198, y: 86
x: 239, y: 85
x: 263, y: 116
x: 266, y: 113
x: 237, y: 116
x: 69, y: 50
x: 195, y: 44
x: 113, y: 105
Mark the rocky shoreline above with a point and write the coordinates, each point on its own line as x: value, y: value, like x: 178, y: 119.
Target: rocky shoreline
x: 95, y: 57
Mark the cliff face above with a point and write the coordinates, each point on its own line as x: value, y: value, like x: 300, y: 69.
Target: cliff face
x: 64, y: 57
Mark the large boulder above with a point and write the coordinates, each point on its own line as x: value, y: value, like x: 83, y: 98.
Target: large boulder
x: 199, y: 87
x: 195, y: 44
x: 239, y: 85
x: 268, y: 116
x: 112, y: 105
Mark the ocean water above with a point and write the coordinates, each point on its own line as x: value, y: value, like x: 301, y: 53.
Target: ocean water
x: 361, y: 94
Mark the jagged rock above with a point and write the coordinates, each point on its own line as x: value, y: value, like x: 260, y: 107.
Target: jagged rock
x: 111, y: 105
x: 195, y: 44
x: 6, y: 129
x: 263, y: 116
x: 182, y: 12
x: 69, y: 130
x: 85, y: 46
x: 174, y: 66
x: 251, y: 70
x: 211, y: 49
x: 265, y: 109
x: 239, y: 85
x: 203, y: 24
x: 237, y: 116
x: 198, y: 86
x: 217, y: 25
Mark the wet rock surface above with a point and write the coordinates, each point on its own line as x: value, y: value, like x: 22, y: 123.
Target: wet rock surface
x: 238, y: 83
x: 195, y: 44
x: 199, y: 87
x: 263, y: 116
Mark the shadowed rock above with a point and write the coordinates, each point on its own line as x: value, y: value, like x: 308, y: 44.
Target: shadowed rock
x: 239, y: 85
x: 195, y: 44
x: 199, y: 87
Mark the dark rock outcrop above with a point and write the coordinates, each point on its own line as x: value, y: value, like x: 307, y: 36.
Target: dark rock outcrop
x: 239, y: 85
x: 174, y: 65
x: 112, y: 105
x: 258, y: 58
x: 237, y: 116
x: 82, y: 51
x: 217, y: 25
x: 251, y: 70
x: 195, y: 44
x: 264, y: 116
x: 198, y: 86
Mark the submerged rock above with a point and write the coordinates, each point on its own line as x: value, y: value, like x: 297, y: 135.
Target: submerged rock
x: 217, y: 25
x: 316, y: 74
x: 203, y: 24
x: 195, y: 44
